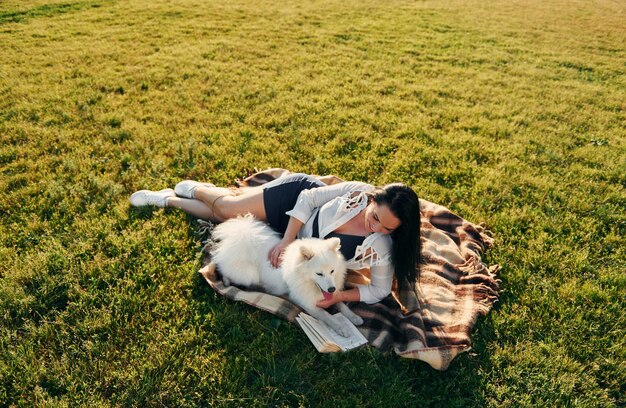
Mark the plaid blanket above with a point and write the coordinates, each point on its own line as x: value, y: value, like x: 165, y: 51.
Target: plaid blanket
x: 433, y: 322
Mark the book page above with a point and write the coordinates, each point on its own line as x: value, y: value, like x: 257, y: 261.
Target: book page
x: 317, y: 340
x: 355, y: 339
x: 321, y: 344
x: 331, y: 337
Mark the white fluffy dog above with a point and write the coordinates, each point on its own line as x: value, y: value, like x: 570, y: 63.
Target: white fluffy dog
x: 312, y: 269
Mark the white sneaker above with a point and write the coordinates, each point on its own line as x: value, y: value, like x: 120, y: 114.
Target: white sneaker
x: 148, y: 197
x: 186, y: 188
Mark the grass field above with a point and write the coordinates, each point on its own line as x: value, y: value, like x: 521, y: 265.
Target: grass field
x: 508, y: 112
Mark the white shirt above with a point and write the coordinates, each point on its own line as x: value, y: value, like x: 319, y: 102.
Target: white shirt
x: 336, y: 205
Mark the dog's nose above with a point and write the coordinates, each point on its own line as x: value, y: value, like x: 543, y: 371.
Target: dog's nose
x: 331, y: 289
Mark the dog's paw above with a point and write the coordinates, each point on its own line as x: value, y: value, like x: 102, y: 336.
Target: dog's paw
x: 344, y: 332
x: 357, y: 320
x: 353, y: 317
x: 339, y: 328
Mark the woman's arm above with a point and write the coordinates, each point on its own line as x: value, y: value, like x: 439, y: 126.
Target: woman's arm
x: 380, y: 284
x: 309, y: 200
x: 378, y: 289
x: 290, y: 235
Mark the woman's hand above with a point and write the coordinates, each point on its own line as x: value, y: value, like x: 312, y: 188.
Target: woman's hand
x: 349, y: 295
x: 336, y: 298
x: 276, y: 254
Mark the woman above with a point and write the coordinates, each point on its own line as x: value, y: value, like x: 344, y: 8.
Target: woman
x: 378, y: 227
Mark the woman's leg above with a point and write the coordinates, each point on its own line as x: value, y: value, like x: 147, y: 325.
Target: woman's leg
x: 223, y: 204
x: 220, y: 204
x: 193, y: 207
x: 209, y: 203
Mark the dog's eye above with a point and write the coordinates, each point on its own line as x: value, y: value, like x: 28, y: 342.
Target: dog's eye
x: 333, y: 271
x: 320, y: 274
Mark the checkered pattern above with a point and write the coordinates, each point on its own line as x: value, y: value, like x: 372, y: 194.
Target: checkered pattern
x: 432, y: 323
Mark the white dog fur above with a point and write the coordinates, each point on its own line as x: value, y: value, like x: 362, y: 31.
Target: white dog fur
x: 311, y: 268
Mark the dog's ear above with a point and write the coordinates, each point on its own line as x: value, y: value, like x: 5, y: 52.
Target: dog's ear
x: 306, y: 252
x: 334, y: 243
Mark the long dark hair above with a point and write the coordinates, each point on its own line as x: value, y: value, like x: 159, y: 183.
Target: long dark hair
x: 406, y: 250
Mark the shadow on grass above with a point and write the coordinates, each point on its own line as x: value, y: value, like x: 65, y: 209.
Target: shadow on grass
x: 142, y: 213
x: 265, y: 360
x: 272, y: 362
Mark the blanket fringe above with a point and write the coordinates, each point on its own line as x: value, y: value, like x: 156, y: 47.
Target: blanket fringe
x: 485, y: 234
x: 204, y: 231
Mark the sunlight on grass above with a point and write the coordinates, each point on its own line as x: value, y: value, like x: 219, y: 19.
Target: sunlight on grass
x: 508, y: 112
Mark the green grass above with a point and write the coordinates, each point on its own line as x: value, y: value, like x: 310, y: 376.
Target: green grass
x: 508, y: 112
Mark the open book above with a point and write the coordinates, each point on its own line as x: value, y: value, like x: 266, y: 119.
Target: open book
x: 325, y: 339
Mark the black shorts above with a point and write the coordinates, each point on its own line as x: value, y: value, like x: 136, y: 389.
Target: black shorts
x: 280, y: 196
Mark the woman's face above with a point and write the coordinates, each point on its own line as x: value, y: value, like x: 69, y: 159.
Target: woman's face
x: 379, y: 218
